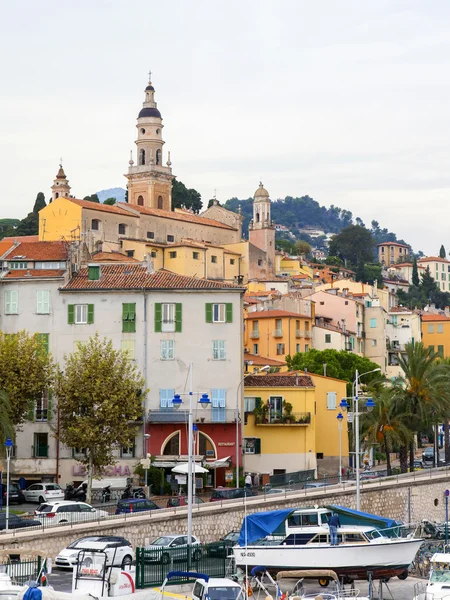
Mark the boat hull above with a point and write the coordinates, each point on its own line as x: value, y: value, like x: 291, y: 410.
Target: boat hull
x: 355, y: 561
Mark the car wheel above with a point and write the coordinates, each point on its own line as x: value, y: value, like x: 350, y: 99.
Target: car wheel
x: 324, y: 582
x: 41, y: 500
x: 165, y: 559
x: 403, y: 575
x: 127, y: 560
x: 197, y: 555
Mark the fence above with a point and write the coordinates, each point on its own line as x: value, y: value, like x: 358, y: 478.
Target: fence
x: 287, y: 478
x: 21, y: 571
x: 152, y: 565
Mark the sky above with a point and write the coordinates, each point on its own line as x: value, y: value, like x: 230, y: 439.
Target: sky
x: 345, y: 101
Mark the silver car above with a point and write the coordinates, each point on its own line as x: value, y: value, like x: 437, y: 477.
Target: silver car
x: 172, y: 548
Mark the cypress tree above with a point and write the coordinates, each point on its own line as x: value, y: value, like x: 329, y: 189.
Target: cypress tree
x: 415, y: 274
x: 39, y: 203
x: 442, y: 251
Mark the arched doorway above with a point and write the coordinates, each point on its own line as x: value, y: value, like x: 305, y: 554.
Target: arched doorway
x: 206, y: 446
x: 171, y: 445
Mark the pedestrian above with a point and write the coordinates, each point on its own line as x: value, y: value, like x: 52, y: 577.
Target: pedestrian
x: 256, y: 480
x: 248, y: 481
x: 333, y: 524
x: 173, y: 485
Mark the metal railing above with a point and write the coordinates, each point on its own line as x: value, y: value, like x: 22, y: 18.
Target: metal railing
x: 295, y: 418
x: 170, y: 415
x: 254, y: 335
x: 22, y: 571
x: 39, y: 451
x: 277, y: 333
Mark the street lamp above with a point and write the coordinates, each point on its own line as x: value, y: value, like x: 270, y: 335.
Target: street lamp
x: 204, y: 403
x: 370, y: 404
x: 146, y: 453
x: 340, y: 418
x: 9, y: 446
x: 261, y: 370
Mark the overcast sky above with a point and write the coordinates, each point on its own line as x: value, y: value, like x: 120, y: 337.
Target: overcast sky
x: 346, y: 101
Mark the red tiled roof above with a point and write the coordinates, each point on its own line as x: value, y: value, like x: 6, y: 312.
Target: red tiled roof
x: 102, y: 207
x: 433, y: 259
x: 399, y: 309
x: 435, y: 318
x: 30, y: 273
x: 21, y: 238
x: 39, y: 251
x: 277, y: 314
x: 113, y: 257
x: 393, y: 244
x: 177, y: 216
x: 132, y: 277
x: 4, y: 246
x: 278, y: 380
x: 262, y: 293
x: 262, y: 360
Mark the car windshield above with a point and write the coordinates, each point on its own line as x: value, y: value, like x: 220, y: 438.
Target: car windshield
x: 83, y: 540
x: 162, y: 541
x: 233, y: 536
x: 52, y: 487
x: 224, y: 593
x: 45, y: 508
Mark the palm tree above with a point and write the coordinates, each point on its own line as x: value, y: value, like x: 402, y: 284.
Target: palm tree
x: 386, y: 426
x: 423, y: 391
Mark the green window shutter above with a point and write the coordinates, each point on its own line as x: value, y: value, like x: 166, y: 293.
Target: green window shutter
x: 71, y: 314
x: 158, y: 317
x: 178, y: 318
x: 208, y: 307
x: 93, y: 273
x: 132, y: 317
x: 49, y: 405
x: 90, y: 319
x: 229, y: 311
x: 125, y: 322
x: 257, y: 446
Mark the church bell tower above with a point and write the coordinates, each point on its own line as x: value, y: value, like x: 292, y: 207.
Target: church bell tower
x: 149, y: 182
x: 261, y: 228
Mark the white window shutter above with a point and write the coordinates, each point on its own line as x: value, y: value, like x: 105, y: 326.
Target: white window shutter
x: 331, y: 400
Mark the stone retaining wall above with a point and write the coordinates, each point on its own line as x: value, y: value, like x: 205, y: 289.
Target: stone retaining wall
x: 408, y: 500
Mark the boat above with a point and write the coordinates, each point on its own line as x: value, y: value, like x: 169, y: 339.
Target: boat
x: 278, y: 541
x: 438, y: 584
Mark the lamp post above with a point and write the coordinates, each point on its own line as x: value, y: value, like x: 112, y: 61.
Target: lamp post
x: 9, y: 446
x: 146, y: 453
x: 261, y: 370
x: 370, y: 404
x: 340, y: 418
x: 177, y: 402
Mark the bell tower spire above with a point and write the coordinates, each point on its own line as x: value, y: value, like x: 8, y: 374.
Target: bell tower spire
x: 261, y: 228
x: 60, y: 187
x: 149, y: 182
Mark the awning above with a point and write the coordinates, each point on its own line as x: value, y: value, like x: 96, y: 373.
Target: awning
x: 163, y: 461
x: 219, y: 463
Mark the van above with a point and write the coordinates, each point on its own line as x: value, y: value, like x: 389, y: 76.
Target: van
x: 131, y: 505
x: 230, y: 494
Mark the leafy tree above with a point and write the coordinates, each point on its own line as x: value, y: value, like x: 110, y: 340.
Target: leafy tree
x: 284, y: 246
x: 334, y: 261
x: 211, y: 202
x: 39, y: 203
x: 302, y: 247
x: 184, y: 198
x: 92, y: 198
x: 26, y: 370
x: 8, y: 227
x: 29, y: 225
x: 110, y: 201
x: 100, y: 396
x: 372, y: 272
x: 442, y: 251
x: 352, y: 244
x: 415, y: 274
x: 6, y: 426
x: 195, y: 201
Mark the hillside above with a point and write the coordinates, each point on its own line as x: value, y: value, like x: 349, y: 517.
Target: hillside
x: 117, y: 193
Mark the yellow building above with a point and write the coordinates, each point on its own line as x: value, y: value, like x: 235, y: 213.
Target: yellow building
x: 292, y: 265
x: 290, y: 424
x: 276, y: 333
x: 390, y: 253
x: 436, y: 333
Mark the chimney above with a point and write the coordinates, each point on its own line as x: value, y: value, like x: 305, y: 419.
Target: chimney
x: 150, y: 266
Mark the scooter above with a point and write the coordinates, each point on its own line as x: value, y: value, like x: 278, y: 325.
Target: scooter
x: 78, y: 494
x: 106, y: 494
x: 129, y: 492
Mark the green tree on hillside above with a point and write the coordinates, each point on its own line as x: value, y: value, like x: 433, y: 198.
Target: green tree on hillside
x: 302, y: 247
x: 415, y: 274
x: 442, y: 251
x: 110, y: 201
x: 184, y: 198
x: 353, y: 244
x: 39, y: 203
x: 92, y: 198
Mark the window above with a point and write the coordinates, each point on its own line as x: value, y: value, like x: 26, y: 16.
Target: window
x: 431, y: 349
x: 43, y: 302
x: 93, y: 273
x: 232, y: 261
x: 306, y: 347
x: 153, y: 254
x: 430, y: 327
x: 440, y: 327
x: 95, y: 224
x: 160, y: 198
x: 151, y: 235
x: 279, y: 326
x: 44, y: 339
x: 218, y: 350
x: 168, y: 317
x: 18, y: 265
x: 443, y: 276
x: 122, y: 228
x: 140, y: 201
x: 255, y: 348
x: 219, y: 313
x: 252, y: 446
x: 280, y: 349
x: 166, y: 397
x: 128, y: 346
x: 40, y: 446
x: 167, y: 350
x: 170, y: 238
x: 11, y: 302
x: 213, y: 259
x: 331, y: 400
x: 129, y: 317
x: 172, y: 254
x: 43, y: 407
x: 219, y: 402
x: 48, y: 264
x: 142, y: 157
x: 374, y: 343
x: 196, y: 255
x: 297, y: 348
x: 441, y: 351
x: 128, y: 451
x: 373, y: 323
x: 275, y: 407
x: 80, y: 314
x: 328, y: 338
x: 260, y: 262
x: 130, y: 253
x: 443, y: 267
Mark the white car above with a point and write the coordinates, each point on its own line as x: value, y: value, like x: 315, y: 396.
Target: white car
x: 42, y: 492
x: 67, y: 511
x: 118, y: 550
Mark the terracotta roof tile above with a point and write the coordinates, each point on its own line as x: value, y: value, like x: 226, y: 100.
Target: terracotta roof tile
x: 102, y: 207
x: 179, y: 216
x: 277, y: 314
x: 30, y: 273
x: 132, y: 277
x: 278, y: 380
x: 393, y: 244
x: 39, y: 251
x: 4, y: 246
x: 433, y: 259
x: 435, y: 318
x: 112, y: 257
x: 21, y: 238
x: 263, y: 360
x: 400, y: 309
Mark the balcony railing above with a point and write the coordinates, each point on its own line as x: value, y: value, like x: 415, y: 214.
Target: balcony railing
x: 200, y: 415
x: 277, y: 333
x: 295, y: 418
x: 254, y: 335
x: 302, y: 333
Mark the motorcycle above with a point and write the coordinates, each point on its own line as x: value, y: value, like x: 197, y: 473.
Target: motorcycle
x: 78, y: 494
x: 129, y: 492
x: 106, y: 494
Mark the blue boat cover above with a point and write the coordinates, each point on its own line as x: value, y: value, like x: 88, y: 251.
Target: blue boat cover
x: 258, y: 525
x: 348, y: 516
x: 33, y: 593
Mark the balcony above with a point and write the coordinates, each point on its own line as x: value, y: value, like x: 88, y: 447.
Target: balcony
x: 302, y: 333
x: 277, y: 333
x: 254, y: 335
x: 200, y: 415
x: 284, y: 420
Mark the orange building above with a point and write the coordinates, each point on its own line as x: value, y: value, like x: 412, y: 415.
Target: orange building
x: 436, y: 333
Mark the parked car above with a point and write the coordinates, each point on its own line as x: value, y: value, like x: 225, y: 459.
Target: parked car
x: 132, y: 505
x: 181, y: 501
x: 216, y: 589
x: 67, y: 511
x: 274, y: 491
x: 16, y: 522
x: 117, y: 549
x: 367, y: 475
x: 224, y: 546
x: 172, y: 548
x: 428, y: 454
x: 15, y: 494
x: 418, y: 464
x: 230, y: 494
x: 43, y: 492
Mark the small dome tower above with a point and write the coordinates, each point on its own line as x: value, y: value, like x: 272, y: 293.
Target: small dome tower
x: 60, y: 187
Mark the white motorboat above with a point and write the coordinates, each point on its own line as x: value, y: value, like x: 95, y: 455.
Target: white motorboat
x: 438, y: 584
x: 362, y: 551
